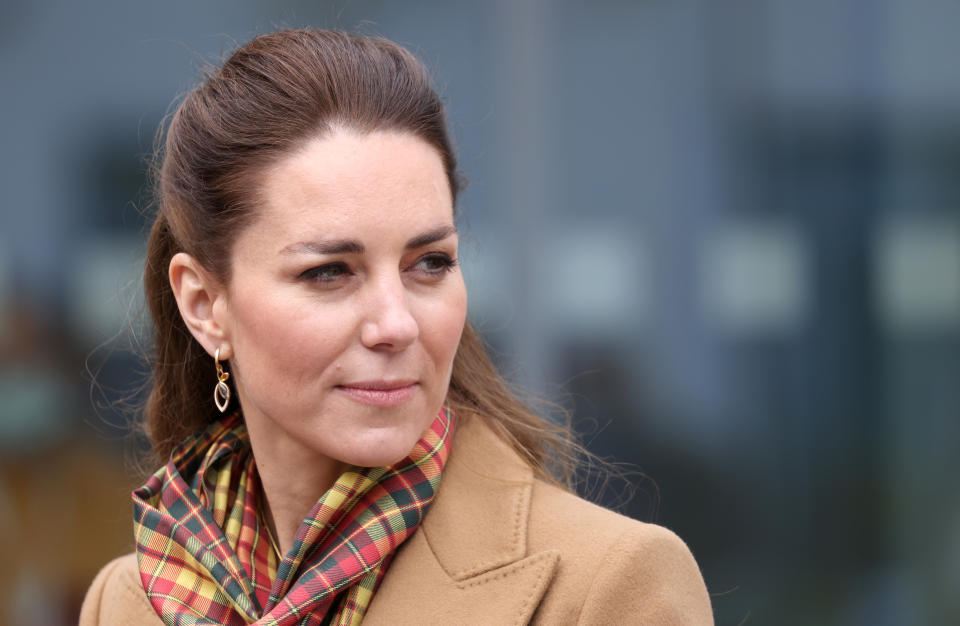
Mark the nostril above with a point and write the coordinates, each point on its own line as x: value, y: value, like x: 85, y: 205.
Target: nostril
x: 395, y: 332
x: 389, y: 320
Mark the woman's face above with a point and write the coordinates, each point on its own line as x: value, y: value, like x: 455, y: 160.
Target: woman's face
x: 345, y: 305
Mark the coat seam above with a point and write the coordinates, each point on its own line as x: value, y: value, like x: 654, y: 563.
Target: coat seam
x: 508, y: 570
x: 520, y: 497
x: 537, y: 592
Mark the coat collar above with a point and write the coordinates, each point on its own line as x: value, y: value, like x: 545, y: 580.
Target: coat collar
x: 469, y: 561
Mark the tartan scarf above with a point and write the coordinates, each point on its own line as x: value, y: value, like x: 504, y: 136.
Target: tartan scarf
x: 206, y: 557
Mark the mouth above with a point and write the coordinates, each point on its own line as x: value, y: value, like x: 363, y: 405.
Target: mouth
x: 380, y: 393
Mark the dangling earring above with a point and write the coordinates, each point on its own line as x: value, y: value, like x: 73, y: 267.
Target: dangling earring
x: 221, y: 393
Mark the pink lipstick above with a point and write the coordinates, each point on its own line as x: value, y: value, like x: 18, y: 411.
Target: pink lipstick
x: 380, y: 393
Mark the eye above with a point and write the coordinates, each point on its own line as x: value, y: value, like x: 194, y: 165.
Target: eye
x: 435, y: 264
x: 329, y: 273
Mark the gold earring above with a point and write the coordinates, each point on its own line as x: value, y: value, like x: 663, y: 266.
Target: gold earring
x: 221, y: 393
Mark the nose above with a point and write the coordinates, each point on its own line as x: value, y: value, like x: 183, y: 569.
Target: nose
x: 389, y: 323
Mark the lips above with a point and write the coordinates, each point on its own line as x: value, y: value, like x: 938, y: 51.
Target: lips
x: 380, y: 393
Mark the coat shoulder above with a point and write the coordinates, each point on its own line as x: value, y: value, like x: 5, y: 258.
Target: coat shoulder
x: 117, y: 597
x: 613, y: 569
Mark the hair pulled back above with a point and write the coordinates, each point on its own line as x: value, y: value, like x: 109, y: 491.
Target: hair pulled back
x: 271, y: 96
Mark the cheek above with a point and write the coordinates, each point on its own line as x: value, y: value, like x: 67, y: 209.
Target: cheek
x: 276, y: 337
x: 441, y: 330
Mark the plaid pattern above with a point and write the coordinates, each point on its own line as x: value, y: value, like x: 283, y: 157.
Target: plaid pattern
x: 206, y: 558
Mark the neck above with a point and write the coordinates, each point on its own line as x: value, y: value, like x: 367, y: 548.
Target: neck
x: 292, y: 482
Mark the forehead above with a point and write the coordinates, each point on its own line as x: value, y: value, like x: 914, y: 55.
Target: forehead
x: 350, y: 180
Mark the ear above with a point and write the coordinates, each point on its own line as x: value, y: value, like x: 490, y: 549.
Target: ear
x: 201, y: 302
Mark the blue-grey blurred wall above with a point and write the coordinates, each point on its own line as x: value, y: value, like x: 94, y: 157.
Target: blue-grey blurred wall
x: 725, y: 234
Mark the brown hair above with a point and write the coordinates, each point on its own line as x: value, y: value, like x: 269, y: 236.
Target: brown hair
x: 270, y: 96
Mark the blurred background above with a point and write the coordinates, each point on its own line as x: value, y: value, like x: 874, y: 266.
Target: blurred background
x: 726, y: 234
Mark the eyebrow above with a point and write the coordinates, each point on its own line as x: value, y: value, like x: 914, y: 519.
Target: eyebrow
x: 352, y: 246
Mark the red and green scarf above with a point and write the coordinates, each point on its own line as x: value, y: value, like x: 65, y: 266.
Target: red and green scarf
x: 206, y: 557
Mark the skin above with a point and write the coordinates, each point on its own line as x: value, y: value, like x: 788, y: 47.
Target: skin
x: 309, y: 330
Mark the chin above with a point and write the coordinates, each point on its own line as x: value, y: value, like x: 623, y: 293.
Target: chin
x: 382, y: 437
x: 382, y: 451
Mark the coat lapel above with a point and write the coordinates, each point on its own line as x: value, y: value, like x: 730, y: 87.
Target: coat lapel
x: 469, y: 562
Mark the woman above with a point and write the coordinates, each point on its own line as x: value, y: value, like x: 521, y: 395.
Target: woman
x: 360, y: 459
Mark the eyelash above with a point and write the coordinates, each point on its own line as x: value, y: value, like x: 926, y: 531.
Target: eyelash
x: 447, y: 263
x: 316, y: 274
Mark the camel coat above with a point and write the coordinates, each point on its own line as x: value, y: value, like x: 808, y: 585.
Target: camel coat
x: 498, y: 547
